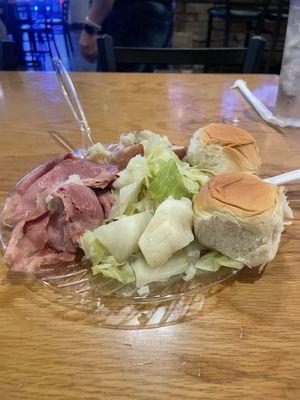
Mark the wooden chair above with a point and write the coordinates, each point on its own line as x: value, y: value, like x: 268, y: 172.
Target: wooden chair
x: 249, y: 58
x: 251, y: 13
x: 7, y: 56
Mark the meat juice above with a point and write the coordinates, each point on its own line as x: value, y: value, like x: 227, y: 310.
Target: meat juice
x: 288, y: 98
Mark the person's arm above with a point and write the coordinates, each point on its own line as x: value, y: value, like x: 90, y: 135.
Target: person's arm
x: 88, y: 42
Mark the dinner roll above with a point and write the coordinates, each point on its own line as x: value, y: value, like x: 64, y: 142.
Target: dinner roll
x: 221, y: 148
x: 241, y: 216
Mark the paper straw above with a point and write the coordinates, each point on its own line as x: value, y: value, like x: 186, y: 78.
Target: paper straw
x: 257, y: 104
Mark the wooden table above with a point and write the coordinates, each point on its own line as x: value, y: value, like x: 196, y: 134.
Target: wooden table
x: 244, y: 343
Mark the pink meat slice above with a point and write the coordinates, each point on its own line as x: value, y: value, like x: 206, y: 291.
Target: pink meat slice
x: 180, y: 151
x: 82, y: 211
x: 92, y: 175
x: 106, y: 199
x: 34, y: 175
x: 49, y: 213
x: 53, y: 237
x: 122, y: 157
x: 26, y: 241
x: 13, y: 200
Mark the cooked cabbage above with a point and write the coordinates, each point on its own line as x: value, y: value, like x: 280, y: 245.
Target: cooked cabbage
x: 111, y: 268
x: 169, y: 230
x: 168, y: 182
x: 92, y: 248
x: 213, y: 261
x: 145, y: 274
x: 121, y: 237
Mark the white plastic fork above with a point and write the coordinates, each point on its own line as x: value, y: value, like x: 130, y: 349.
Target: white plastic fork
x: 72, y: 99
x: 284, y: 178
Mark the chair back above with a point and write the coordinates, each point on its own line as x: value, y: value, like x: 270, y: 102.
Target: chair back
x: 243, y: 4
x: 8, y: 61
x: 282, y: 7
x: 249, y: 58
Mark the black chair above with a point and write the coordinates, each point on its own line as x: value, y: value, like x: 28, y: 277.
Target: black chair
x: 249, y: 58
x: 7, y: 56
x: 277, y: 16
x: 236, y: 11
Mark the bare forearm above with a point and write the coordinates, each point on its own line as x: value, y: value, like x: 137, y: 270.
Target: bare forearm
x: 88, y: 41
x: 100, y: 9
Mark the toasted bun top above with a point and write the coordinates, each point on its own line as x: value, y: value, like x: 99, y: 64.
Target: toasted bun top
x: 237, y: 143
x: 240, y: 194
x: 226, y: 135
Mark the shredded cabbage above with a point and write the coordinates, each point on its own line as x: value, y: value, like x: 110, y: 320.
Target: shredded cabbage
x: 168, y: 182
x: 148, y: 180
x: 102, y: 262
x: 213, y: 261
x: 129, y: 187
x: 93, y: 249
x: 158, y: 147
x: 111, y: 268
x: 136, y: 268
x: 225, y: 261
x: 193, y: 177
x: 128, y: 196
x: 189, y: 273
x: 136, y: 171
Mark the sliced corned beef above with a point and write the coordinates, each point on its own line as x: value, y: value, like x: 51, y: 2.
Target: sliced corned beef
x: 52, y: 212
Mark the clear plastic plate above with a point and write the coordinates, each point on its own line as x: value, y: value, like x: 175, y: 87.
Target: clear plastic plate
x: 116, y: 305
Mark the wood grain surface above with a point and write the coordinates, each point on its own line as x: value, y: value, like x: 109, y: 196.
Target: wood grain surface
x: 245, y: 341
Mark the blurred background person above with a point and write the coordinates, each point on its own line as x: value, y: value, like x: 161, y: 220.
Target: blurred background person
x: 3, y: 31
x: 131, y: 23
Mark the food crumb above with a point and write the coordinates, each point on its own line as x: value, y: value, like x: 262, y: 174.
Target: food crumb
x: 241, y: 332
x: 128, y: 345
x: 144, y: 363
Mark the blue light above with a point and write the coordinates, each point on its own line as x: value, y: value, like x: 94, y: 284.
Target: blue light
x: 35, y: 8
x: 48, y: 8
